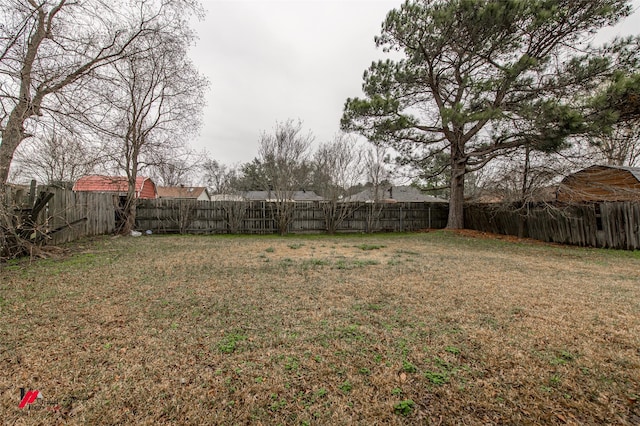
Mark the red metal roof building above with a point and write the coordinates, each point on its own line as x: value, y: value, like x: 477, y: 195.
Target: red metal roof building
x: 145, y: 188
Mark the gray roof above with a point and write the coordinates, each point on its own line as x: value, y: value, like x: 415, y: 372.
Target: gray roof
x: 402, y: 194
x: 227, y: 197
x: 271, y: 195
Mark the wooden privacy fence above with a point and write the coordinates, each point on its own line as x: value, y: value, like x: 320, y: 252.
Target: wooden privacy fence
x: 80, y: 214
x: 608, y: 225
x: 68, y: 215
x: 257, y: 217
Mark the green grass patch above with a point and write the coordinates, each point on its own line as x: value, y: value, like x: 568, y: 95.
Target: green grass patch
x: 404, y: 408
x: 230, y: 342
x: 436, y: 378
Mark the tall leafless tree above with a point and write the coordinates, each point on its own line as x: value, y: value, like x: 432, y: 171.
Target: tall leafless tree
x: 378, y: 175
x: 56, y: 158
x: 377, y: 170
x: 219, y: 177
x: 48, y: 47
x: 621, y: 147
x: 284, y: 156
x: 337, y: 166
x: 153, y: 105
x: 174, y: 167
x: 50, y: 50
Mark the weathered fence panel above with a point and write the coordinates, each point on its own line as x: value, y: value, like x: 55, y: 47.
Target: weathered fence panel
x: 620, y: 225
x: 76, y: 215
x: 607, y: 225
x: 256, y: 217
x: 69, y: 216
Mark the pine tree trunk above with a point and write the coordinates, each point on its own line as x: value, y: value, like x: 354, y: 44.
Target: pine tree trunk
x: 456, y: 202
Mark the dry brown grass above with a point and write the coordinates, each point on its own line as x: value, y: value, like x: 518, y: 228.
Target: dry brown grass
x: 323, y: 330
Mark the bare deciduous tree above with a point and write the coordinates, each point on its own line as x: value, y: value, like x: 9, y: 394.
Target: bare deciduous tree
x: 57, y: 158
x: 284, y: 158
x: 218, y: 177
x: 174, y: 167
x: 376, y: 170
x: 51, y: 49
x: 621, y: 147
x: 225, y: 182
x: 337, y: 166
x: 378, y: 175
x: 48, y: 47
x: 153, y: 105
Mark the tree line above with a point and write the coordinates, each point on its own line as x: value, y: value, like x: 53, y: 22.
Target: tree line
x: 499, y: 94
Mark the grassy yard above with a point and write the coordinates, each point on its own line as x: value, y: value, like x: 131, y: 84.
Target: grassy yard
x: 433, y: 328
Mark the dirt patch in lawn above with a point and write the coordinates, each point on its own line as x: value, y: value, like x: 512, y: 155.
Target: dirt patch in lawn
x: 432, y: 328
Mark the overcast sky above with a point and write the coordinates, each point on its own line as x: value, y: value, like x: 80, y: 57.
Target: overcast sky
x: 269, y: 61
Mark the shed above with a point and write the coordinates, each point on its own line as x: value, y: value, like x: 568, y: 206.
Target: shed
x: 601, y: 183
x: 182, y: 192
x: 145, y: 188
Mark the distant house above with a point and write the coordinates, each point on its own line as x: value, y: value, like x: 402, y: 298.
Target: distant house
x: 145, y: 188
x: 395, y: 194
x: 227, y: 197
x: 182, y: 192
x: 601, y: 183
x: 298, y: 196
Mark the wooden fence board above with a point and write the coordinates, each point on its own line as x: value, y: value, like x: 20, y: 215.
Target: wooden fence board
x: 607, y: 225
x: 166, y: 216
